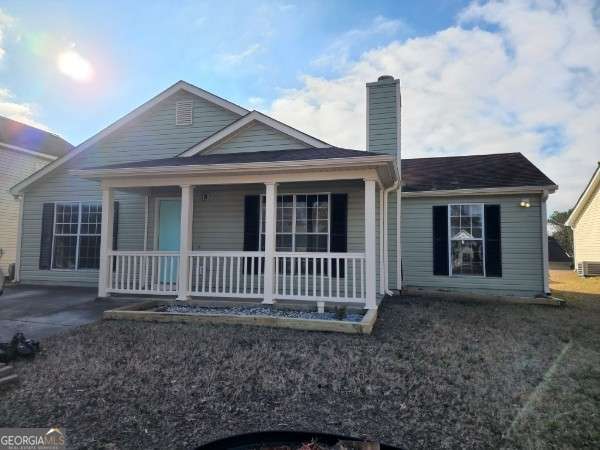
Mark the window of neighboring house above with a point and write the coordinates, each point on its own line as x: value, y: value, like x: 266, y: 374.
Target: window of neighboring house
x: 302, y: 223
x: 466, y: 239
x: 77, y: 235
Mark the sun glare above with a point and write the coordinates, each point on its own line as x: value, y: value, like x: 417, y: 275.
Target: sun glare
x: 75, y: 66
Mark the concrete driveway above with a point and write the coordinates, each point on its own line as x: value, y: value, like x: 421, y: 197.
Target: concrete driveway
x: 40, y: 311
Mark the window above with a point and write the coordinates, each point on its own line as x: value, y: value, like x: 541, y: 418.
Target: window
x: 466, y: 239
x: 302, y: 223
x: 76, y: 235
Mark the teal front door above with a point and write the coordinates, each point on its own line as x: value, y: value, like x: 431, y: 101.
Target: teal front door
x: 169, y: 219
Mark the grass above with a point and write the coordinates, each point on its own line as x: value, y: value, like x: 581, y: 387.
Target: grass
x: 435, y: 374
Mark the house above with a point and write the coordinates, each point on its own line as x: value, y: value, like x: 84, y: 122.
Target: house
x: 585, y: 223
x: 23, y: 151
x: 190, y: 195
x: 558, y: 258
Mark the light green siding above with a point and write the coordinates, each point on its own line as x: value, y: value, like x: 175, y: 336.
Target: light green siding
x: 219, y: 219
x: 383, y: 116
x: 521, y: 228
x: 256, y: 137
x: 382, y: 137
x: 151, y: 135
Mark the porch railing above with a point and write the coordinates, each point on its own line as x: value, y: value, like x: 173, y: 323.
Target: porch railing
x: 332, y: 277
x: 226, y: 274
x: 320, y: 276
x: 149, y: 272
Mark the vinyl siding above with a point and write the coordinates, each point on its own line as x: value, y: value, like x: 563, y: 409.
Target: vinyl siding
x: 152, y: 135
x: 522, y: 269
x: 587, y: 232
x: 256, y: 137
x: 14, y: 167
x: 383, y: 128
x: 219, y: 220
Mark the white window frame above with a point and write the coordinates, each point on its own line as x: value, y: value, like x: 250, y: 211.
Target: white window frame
x: 482, y: 239
x: 54, y: 234
x: 293, y: 233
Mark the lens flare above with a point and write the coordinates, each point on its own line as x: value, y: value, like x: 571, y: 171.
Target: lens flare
x: 75, y: 66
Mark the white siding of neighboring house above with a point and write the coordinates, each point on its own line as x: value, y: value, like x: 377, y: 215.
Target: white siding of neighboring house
x: 586, y: 234
x: 14, y: 167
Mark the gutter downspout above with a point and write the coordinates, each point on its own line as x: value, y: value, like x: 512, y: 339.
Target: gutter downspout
x: 385, y: 237
x: 21, y: 200
x: 544, y: 220
x: 382, y: 285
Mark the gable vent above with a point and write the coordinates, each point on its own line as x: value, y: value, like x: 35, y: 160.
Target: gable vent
x: 183, y: 112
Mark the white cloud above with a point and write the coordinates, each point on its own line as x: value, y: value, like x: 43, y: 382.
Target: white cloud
x: 234, y: 59
x: 510, y: 76
x: 22, y: 112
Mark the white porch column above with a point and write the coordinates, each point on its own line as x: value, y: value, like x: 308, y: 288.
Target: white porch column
x: 370, y: 247
x: 382, y: 285
x: 270, y: 211
x: 106, y: 238
x: 185, y: 240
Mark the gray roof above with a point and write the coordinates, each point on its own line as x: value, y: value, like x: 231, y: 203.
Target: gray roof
x: 31, y: 138
x: 502, y: 170
x: 420, y: 174
x: 302, y: 154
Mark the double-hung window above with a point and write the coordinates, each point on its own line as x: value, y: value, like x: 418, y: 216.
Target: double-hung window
x: 302, y: 223
x: 76, y: 242
x: 466, y: 239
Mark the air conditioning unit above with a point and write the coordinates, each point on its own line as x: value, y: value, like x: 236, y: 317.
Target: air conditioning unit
x: 588, y: 269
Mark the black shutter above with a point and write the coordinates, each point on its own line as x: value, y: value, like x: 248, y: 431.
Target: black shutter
x: 338, y: 240
x: 116, y: 225
x: 440, y: 240
x: 251, y: 223
x: 46, y: 236
x: 493, y: 252
x: 252, y: 229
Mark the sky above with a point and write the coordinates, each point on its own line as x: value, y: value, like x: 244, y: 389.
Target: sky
x: 476, y: 77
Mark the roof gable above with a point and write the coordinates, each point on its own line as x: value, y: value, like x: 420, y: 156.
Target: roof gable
x: 592, y: 189
x: 255, y: 117
x: 125, y: 120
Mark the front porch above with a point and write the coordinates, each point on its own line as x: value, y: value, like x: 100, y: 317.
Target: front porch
x: 299, y: 234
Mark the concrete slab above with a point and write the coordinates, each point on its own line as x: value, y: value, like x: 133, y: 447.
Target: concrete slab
x: 41, y: 311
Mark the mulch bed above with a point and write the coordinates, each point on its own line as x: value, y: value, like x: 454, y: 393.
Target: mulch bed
x: 434, y: 374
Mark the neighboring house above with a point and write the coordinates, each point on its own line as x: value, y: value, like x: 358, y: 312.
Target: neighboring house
x: 559, y: 259
x: 192, y: 195
x: 23, y: 151
x: 585, y: 223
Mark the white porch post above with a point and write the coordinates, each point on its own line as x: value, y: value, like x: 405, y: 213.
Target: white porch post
x: 382, y: 285
x: 270, y: 211
x: 106, y: 237
x: 185, y: 240
x: 370, y: 257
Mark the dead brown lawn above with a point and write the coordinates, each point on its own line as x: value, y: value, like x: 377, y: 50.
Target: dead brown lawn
x: 434, y: 374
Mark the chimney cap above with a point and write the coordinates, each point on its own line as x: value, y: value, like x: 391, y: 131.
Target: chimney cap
x: 385, y: 78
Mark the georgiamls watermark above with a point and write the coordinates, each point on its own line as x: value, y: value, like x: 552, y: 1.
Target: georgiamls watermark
x: 32, y: 439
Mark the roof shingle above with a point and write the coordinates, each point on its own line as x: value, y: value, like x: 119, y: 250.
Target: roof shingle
x: 30, y: 138
x: 420, y: 174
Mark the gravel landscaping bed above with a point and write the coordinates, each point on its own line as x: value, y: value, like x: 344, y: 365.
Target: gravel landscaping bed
x: 341, y: 314
x: 434, y: 374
